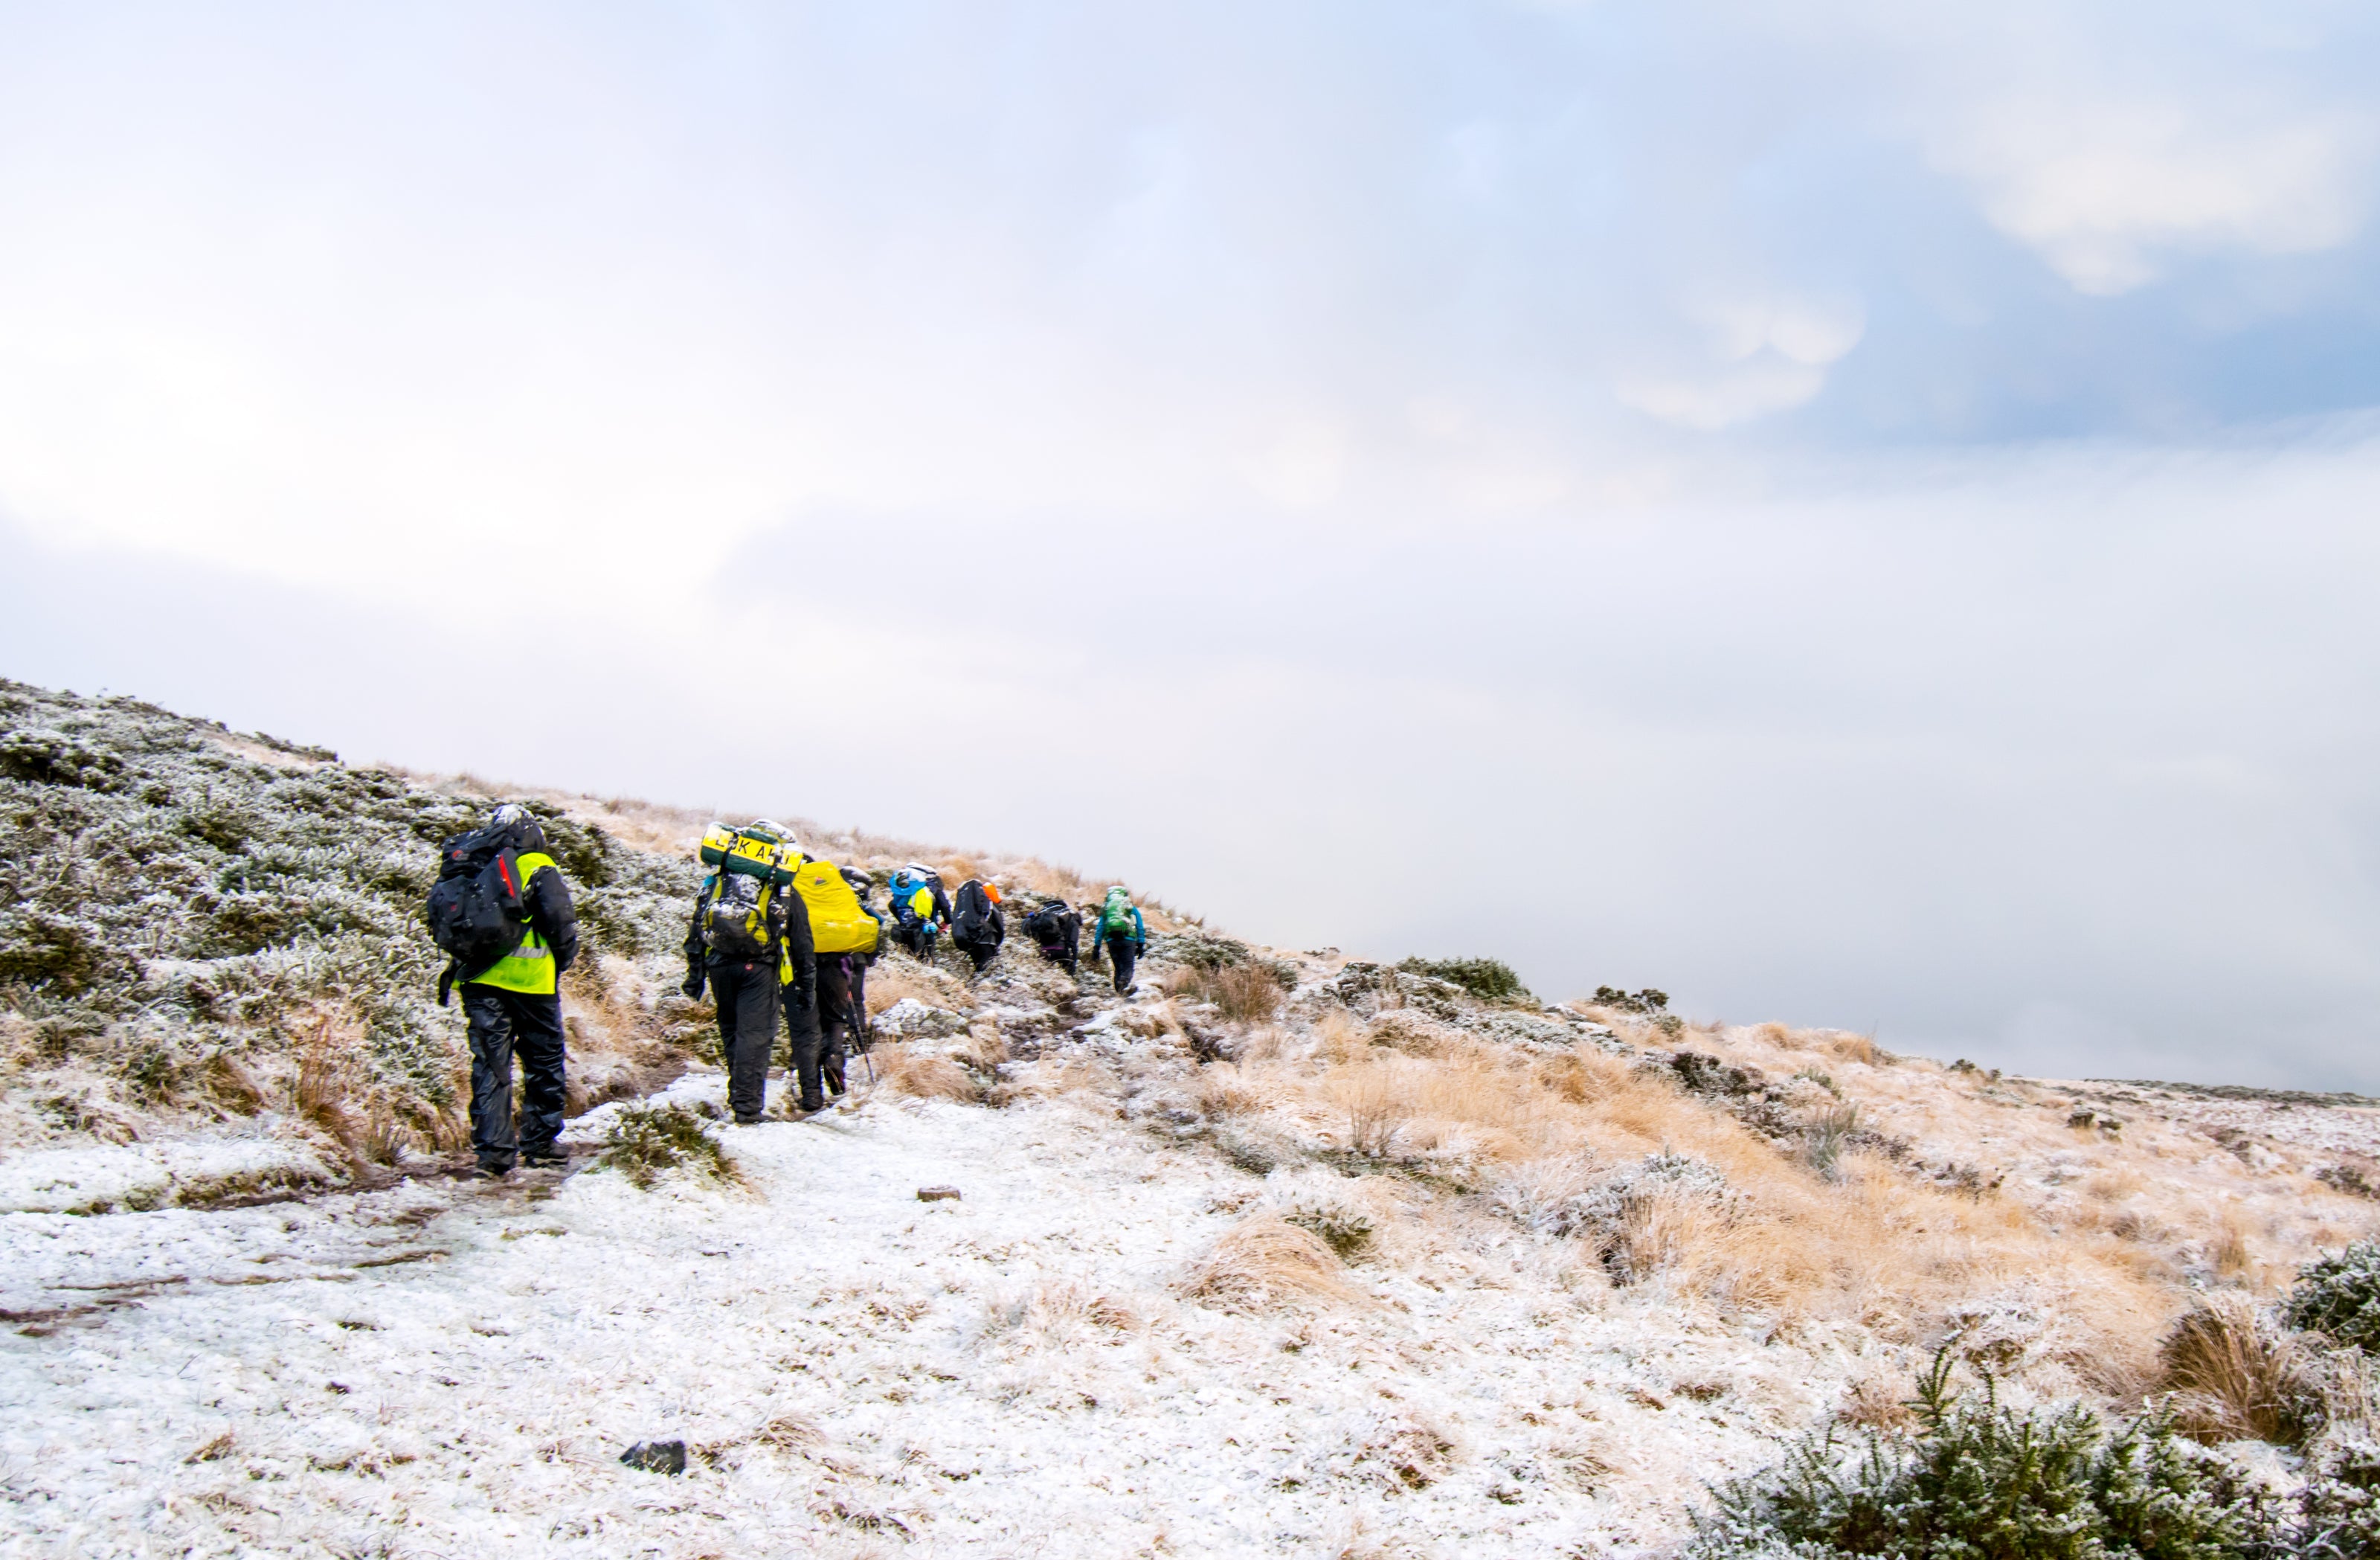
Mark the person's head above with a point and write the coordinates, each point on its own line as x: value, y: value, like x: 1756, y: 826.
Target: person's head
x: 517, y: 819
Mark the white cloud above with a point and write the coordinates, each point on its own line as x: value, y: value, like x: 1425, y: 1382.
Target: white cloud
x: 1764, y: 354
x: 1725, y: 397
x: 2103, y: 190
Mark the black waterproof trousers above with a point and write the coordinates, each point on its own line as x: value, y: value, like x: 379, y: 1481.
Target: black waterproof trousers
x: 842, y: 993
x: 503, y: 1025
x: 915, y: 938
x: 1122, y: 952
x: 745, y: 991
x: 807, y: 1055
x: 979, y: 949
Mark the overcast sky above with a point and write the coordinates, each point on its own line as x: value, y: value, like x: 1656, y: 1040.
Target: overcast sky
x: 1852, y: 512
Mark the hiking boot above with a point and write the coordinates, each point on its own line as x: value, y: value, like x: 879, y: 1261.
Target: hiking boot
x: 812, y: 1107
x: 544, y: 1153
x: 494, y: 1172
x: 748, y: 1121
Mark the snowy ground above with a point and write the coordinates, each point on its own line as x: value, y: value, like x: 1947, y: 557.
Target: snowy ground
x: 451, y: 1368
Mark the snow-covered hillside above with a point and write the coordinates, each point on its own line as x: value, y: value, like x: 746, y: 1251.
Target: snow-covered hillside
x: 1291, y: 1253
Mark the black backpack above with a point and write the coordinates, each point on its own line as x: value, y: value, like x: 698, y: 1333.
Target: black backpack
x: 971, y: 912
x: 1048, y: 925
x: 478, y: 908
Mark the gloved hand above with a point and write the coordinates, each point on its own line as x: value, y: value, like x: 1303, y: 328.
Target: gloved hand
x: 693, y: 987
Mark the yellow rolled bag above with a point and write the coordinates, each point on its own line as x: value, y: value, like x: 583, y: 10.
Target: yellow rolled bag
x: 749, y: 853
x: 838, y: 925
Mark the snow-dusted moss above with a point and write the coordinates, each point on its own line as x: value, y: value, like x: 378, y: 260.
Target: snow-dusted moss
x: 179, y: 892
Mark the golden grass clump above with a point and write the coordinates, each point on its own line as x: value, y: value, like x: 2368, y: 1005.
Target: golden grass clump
x: 1244, y: 993
x: 2233, y: 1377
x: 1222, y: 1090
x: 897, y: 976
x: 1876, y: 1403
x: 928, y: 1077
x: 1341, y: 1036
x: 1858, y: 1048
x: 1266, y: 1263
x: 334, y: 1091
x: 981, y: 1049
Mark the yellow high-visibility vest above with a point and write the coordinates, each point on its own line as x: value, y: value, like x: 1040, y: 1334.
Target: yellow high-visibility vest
x: 529, y: 968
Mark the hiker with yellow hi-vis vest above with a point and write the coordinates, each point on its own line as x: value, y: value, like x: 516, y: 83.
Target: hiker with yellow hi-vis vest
x: 750, y: 942
x: 501, y: 912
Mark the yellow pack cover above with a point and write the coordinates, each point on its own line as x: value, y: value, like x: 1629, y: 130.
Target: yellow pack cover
x: 837, y: 924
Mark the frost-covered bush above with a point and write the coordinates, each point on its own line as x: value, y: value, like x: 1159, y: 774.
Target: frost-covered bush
x: 645, y: 1143
x: 1194, y: 947
x: 1647, y: 1001
x: 1979, y: 1478
x: 2339, y: 1510
x: 1490, y: 979
x: 2339, y: 1296
x: 1317, y: 1201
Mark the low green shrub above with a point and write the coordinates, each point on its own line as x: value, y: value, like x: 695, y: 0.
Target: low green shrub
x: 1981, y: 1481
x: 2339, y: 1298
x: 1490, y: 979
x: 1647, y: 1002
x: 645, y: 1142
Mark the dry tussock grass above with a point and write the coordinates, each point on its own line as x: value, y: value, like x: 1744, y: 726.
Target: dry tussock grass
x: 927, y: 1078
x: 1246, y: 993
x: 2229, y: 1252
x: 1340, y: 1036
x: 897, y: 976
x: 1059, y: 1314
x: 1266, y: 1263
x: 1859, y: 1048
x: 1222, y: 1091
x: 1879, y: 1403
x: 332, y: 1090
x: 2233, y: 1376
x: 981, y: 1050
x: 1872, y: 1242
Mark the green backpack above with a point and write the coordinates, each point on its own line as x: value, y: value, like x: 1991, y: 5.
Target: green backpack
x: 1116, y: 914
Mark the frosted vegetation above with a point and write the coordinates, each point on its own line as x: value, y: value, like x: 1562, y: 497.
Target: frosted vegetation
x: 1293, y: 1253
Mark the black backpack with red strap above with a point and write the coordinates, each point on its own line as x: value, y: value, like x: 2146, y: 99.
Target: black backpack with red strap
x: 479, y: 908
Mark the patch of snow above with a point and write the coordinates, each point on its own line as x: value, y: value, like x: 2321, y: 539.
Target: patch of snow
x: 910, y: 1018
x: 105, y: 1177
x: 456, y: 1366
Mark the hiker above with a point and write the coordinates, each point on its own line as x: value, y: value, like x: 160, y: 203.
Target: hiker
x: 503, y: 911
x: 844, y: 935
x: 750, y: 941
x: 1057, y: 932
x: 1125, y: 934
x: 977, y: 924
x: 920, y: 910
